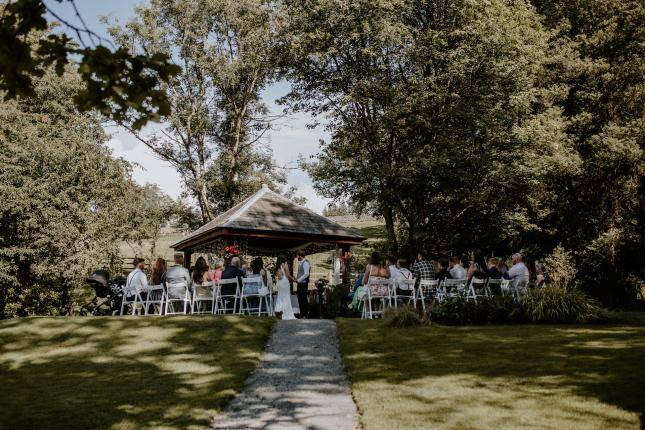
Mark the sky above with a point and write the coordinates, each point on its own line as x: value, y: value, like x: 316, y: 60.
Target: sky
x: 289, y: 141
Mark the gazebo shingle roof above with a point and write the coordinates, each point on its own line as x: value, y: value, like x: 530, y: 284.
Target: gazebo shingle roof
x: 269, y: 212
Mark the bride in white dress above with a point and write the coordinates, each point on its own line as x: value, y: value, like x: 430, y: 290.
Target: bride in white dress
x: 283, y: 301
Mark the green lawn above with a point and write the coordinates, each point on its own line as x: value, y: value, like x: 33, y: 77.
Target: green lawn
x: 124, y: 373
x: 496, y: 377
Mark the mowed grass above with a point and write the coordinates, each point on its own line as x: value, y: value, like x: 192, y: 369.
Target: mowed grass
x: 496, y: 377
x: 124, y: 373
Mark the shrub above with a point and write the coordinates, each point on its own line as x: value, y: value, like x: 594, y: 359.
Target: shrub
x: 561, y: 268
x: 560, y: 305
x: 336, y: 301
x: 544, y: 305
x: 493, y: 310
x: 402, y: 316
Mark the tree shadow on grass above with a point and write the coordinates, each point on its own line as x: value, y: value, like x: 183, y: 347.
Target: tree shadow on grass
x: 124, y: 373
x: 502, y: 376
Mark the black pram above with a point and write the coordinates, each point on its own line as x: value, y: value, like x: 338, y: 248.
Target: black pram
x: 108, y: 294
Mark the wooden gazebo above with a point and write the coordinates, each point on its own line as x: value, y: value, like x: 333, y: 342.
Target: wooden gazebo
x: 269, y: 224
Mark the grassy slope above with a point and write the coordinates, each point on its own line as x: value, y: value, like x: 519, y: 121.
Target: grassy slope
x: 496, y: 377
x: 123, y: 373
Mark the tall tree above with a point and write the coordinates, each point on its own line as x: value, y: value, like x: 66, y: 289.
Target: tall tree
x: 424, y: 100
x: 67, y: 203
x: 120, y: 84
x: 214, y: 137
x: 604, y: 104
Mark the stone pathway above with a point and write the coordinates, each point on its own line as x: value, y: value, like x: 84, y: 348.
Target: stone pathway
x: 300, y: 383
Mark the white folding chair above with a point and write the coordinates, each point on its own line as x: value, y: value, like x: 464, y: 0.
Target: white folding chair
x: 132, y: 298
x: 451, y: 288
x: 476, y: 288
x: 405, y: 285
x: 377, y: 290
x: 222, y: 301
x: 494, y: 287
x: 155, y: 298
x: 427, y: 290
x: 519, y: 288
x: 202, y: 294
x: 177, y: 293
x: 252, y: 289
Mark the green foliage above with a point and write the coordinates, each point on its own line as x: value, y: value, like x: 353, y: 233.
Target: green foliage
x: 560, y: 267
x: 495, y: 310
x: 122, y: 86
x: 543, y: 305
x: 67, y: 203
x: 336, y: 296
x: 560, y: 305
x: 333, y: 209
x: 402, y: 317
x: 214, y: 137
x: 483, y: 124
x: 600, y: 46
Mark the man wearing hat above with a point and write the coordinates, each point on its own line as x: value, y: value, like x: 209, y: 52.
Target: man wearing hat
x: 137, y: 278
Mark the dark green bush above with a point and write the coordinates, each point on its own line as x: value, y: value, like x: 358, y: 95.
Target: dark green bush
x: 494, y: 310
x: 402, y: 316
x: 560, y: 305
x: 544, y: 305
x: 335, y: 300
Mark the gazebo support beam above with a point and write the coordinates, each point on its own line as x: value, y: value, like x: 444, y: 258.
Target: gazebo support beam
x: 188, y: 254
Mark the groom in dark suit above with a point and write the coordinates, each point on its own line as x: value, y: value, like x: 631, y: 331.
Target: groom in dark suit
x: 302, y: 278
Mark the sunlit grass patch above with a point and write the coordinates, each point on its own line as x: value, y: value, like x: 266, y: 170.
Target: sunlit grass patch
x: 496, y: 377
x: 124, y: 373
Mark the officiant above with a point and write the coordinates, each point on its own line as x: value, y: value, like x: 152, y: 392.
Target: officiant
x: 302, y: 278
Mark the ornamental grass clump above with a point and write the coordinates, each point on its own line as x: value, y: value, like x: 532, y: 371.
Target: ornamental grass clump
x: 402, y: 316
x: 560, y: 305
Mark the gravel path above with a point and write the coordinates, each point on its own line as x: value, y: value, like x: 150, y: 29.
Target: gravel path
x: 300, y: 383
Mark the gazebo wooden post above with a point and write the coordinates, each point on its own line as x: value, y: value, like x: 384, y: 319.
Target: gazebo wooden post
x: 290, y: 256
x: 347, y: 266
x: 188, y: 254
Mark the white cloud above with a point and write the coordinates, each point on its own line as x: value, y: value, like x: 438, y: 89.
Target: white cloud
x: 289, y: 141
x: 315, y: 202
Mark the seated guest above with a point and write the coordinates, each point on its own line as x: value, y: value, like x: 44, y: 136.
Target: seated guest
x: 244, y: 268
x: 358, y: 293
x: 477, y: 267
x: 359, y: 281
x: 218, y: 268
x: 176, y: 273
x: 257, y: 268
x: 200, y: 271
x: 442, y: 269
x: 158, y: 269
x: 492, y: 270
x: 456, y: 270
x: 137, y: 279
x: 503, y: 268
x: 375, y: 269
x: 390, y: 262
x: 256, y: 271
x: 231, y: 272
x: 541, y: 275
x: 402, y: 272
x: 423, y: 269
x: 519, y: 273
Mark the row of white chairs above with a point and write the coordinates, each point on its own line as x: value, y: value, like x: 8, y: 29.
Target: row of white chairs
x: 250, y: 297
x: 385, y: 293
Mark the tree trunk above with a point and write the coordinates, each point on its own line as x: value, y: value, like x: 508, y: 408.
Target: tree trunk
x: 202, y: 199
x: 388, y: 215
